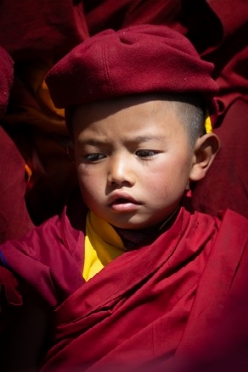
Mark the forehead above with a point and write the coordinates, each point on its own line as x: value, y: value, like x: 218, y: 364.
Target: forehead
x: 132, y: 109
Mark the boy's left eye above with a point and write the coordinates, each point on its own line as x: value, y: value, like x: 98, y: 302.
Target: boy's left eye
x: 146, y: 153
x: 94, y: 157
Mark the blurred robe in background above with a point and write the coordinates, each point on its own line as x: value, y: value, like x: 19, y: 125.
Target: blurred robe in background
x: 36, y: 37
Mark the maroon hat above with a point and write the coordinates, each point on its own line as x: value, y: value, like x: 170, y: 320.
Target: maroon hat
x: 136, y: 60
x: 6, y: 79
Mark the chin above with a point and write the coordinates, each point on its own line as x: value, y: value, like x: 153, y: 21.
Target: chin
x: 131, y: 225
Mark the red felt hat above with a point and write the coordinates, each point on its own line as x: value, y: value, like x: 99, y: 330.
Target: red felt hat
x: 6, y: 79
x: 136, y: 60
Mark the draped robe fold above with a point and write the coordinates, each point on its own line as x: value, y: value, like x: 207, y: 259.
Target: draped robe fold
x: 182, y: 298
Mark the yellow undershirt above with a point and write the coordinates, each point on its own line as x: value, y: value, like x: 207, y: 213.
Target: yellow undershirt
x: 102, y: 245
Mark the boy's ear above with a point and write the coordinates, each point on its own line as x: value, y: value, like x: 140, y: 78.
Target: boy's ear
x: 205, y: 150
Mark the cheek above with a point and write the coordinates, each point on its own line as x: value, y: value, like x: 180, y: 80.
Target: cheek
x: 89, y: 184
x: 171, y: 176
x: 155, y: 187
x: 81, y: 175
x: 83, y: 178
x: 86, y: 173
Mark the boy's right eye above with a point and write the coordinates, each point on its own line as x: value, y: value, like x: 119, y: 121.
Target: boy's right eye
x: 146, y: 153
x: 92, y: 158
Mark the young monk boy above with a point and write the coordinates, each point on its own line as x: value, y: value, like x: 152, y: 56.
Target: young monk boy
x: 135, y: 280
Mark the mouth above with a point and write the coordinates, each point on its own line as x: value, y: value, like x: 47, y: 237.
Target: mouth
x: 123, y: 201
x: 123, y: 204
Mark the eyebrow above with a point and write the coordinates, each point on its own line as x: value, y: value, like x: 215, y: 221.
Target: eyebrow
x: 147, y: 138
x: 138, y: 139
x: 91, y: 141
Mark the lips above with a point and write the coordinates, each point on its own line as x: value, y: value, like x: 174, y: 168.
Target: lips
x: 123, y: 202
x: 122, y: 198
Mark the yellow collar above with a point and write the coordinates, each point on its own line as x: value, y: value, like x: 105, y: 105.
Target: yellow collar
x: 102, y: 245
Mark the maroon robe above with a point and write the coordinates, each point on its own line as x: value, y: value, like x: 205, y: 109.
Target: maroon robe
x: 182, y: 297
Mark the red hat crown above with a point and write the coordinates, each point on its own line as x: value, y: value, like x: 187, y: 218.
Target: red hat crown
x: 136, y: 60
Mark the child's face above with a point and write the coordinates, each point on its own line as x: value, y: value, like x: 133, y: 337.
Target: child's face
x: 133, y: 160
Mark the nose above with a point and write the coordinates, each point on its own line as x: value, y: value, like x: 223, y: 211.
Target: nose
x: 120, y: 171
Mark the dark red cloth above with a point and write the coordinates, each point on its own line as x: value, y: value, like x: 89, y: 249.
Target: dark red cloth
x: 14, y: 217
x: 6, y: 79
x: 180, y: 303
x: 10, y: 300
x: 230, y: 53
x: 137, y: 60
x: 167, y: 303
x: 9, y: 285
x: 36, y: 36
x: 44, y: 32
x: 104, y: 14
x: 226, y: 184
x: 217, y: 29
x: 55, y: 251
